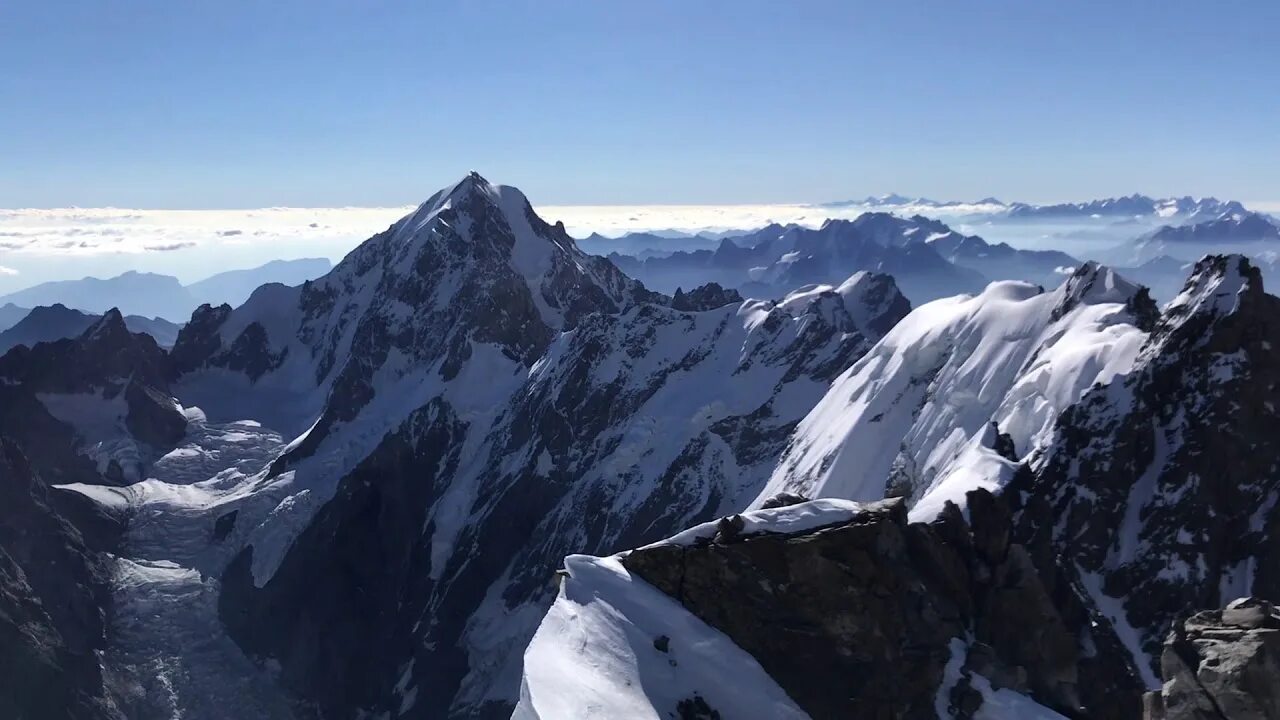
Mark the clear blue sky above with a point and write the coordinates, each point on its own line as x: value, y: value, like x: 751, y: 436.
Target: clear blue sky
x: 244, y: 104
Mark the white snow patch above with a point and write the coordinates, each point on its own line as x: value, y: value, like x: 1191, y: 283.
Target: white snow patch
x: 594, y: 656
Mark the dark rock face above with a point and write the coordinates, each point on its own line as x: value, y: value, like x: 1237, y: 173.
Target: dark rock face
x: 1160, y: 494
x: 862, y: 619
x: 106, y: 365
x: 55, y: 322
x: 704, y: 297
x: 198, y: 339
x: 53, y: 591
x: 1220, y: 665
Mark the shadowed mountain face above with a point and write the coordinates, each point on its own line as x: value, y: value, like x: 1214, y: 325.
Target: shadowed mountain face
x: 93, y: 408
x: 54, y: 595
x: 46, y: 324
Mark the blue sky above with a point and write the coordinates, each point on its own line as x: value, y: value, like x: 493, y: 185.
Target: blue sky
x: 249, y: 104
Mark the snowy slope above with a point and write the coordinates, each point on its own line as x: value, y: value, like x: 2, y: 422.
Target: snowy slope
x: 594, y: 656
x: 914, y: 416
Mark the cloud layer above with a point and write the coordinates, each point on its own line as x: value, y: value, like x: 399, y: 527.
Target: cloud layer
x: 98, y: 231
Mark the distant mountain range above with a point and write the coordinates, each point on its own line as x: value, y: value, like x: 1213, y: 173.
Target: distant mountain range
x: 927, y: 258
x: 48, y: 323
x: 646, y: 244
x: 155, y: 295
x: 1183, y: 209
x: 1239, y: 231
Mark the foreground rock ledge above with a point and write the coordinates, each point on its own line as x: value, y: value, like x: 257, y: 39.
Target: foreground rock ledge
x: 1221, y: 664
x: 871, y: 617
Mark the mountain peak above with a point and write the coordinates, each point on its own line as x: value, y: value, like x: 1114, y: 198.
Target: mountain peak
x: 108, y: 328
x: 1220, y: 284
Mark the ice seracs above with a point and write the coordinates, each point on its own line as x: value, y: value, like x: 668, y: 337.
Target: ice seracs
x: 914, y: 416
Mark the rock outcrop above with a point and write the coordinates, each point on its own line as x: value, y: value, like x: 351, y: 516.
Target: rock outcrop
x: 1158, y: 493
x: 875, y: 617
x: 1221, y: 665
x: 53, y: 595
x: 94, y: 408
x: 704, y: 297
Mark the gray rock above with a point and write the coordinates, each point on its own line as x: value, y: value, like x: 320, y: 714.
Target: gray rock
x: 1221, y: 664
x: 860, y: 619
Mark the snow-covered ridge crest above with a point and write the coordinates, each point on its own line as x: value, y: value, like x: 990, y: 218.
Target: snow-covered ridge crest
x: 914, y: 416
x: 794, y: 519
x: 1218, y: 284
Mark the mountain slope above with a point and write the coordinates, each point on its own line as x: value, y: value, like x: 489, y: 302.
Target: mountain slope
x: 10, y: 314
x: 235, y: 286
x: 1158, y: 491
x: 93, y: 408
x: 53, y: 595
x: 914, y: 417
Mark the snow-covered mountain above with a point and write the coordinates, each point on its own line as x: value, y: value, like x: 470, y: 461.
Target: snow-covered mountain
x: 1173, y: 209
x: 471, y: 397
x: 915, y: 416
x: 927, y: 258
x: 93, y: 408
x: 843, y: 609
x: 1082, y: 476
x: 1240, y: 231
x: 1159, y: 489
x: 774, y: 260
x: 351, y: 497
